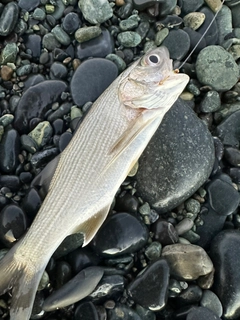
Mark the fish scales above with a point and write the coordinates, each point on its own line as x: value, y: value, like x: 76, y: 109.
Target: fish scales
x: 90, y: 170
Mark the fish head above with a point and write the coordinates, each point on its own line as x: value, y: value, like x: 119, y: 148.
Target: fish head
x: 151, y: 83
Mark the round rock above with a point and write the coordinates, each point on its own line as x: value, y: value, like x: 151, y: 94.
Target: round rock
x: 212, y: 63
x: 202, y: 313
x: 9, y: 151
x: 225, y: 254
x: 110, y: 242
x: 8, y: 18
x: 178, y: 44
x: 177, y: 161
x: 95, y: 11
x: 91, y: 78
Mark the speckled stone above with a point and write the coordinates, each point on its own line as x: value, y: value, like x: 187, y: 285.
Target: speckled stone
x: 212, y: 62
x: 177, y: 168
x: 95, y: 11
x: 41, y: 134
x: 129, y: 39
x: 9, y: 53
x: 87, y: 33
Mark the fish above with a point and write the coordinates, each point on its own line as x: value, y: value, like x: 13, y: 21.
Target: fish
x: 88, y: 173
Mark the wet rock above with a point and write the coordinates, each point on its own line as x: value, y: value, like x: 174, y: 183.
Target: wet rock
x: 10, y: 181
x: 8, y: 18
x: 110, y: 242
x: 28, y: 5
x: 95, y: 11
x: 215, y: 61
x: 41, y: 134
x: 227, y: 130
x: 82, y: 258
x: 225, y: 255
x: 192, y: 294
x: 110, y: 287
x: 164, y: 232
x: 122, y: 312
x: 86, y: 311
x: 13, y: 224
x: 40, y: 97
x: 211, y: 102
x: 99, y: 73
x: 127, y: 202
x: 232, y: 155
x: 34, y: 43
x: 211, y: 37
x: 58, y: 71
x: 129, y: 39
x: 71, y: 22
x: 76, y: 289
x: 150, y: 287
x: 31, y: 203
x: 187, y: 261
x: 177, y: 168
x: 98, y: 47
x: 202, y: 313
x: 9, y: 151
x: 211, y: 301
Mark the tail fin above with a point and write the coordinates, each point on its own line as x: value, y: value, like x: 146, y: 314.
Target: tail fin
x: 23, y: 278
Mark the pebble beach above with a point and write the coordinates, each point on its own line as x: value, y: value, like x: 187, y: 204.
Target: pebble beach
x: 170, y: 246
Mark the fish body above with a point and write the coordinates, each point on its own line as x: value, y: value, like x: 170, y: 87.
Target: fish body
x: 90, y: 170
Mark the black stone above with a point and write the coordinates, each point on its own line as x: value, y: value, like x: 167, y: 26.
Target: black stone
x: 178, y: 159
x: 223, y: 198
x: 194, y: 37
x: 127, y: 202
x: 28, y: 5
x: 60, y: 112
x: 71, y: 22
x: 13, y: 224
x: 34, y: 43
x: 121, y: 312
x: 8, y: 18
x: 41, y: 158
x: 191, y: 295
x: 150, y: 288
x: 86, y: 311
x: 109, y: 288
x: 63, y: 273
x: 40, y: 97
x: 211, y: 37
x: 31, y: 203
x: 98, y: 47
x: 10, y: 181
x: 9, y: 151
x: 82, y: 258
x: 232, y: 155
x: 228, y: 130
x: 64, y: 140
x: 202, y: 313
x: 178, y: 44
x: 121, y: 233
x: 225, y: 255
x: 58, y: 71
x: 32, y: 80
x: 164, y: 232
x: 91, y: 78
x: 188, y: 6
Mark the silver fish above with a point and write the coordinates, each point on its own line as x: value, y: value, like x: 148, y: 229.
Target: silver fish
x: 103, y: 150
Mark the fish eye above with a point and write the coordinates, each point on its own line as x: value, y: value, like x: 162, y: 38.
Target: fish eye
x: 154, y: 59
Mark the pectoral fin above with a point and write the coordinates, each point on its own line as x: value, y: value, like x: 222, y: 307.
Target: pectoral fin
x: 90, y: 227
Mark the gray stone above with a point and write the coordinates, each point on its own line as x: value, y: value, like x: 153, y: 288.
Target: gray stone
x: 187, y: 261
x: 9, y: 53
x: 211, y: 102
x: 95, y: 11
x: 24, y: 70
x: 129, y: 39
x: 39, y: 14
x: 130, y: 23
x: 211, y: 301
x: 212, y: 63
x: 61, y: 36
x: 119, y: 62
x: 224, y: 23
x: 177, y: 161
x: 50, y: 42
x: 8, y: 18
x: 87, y: 33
